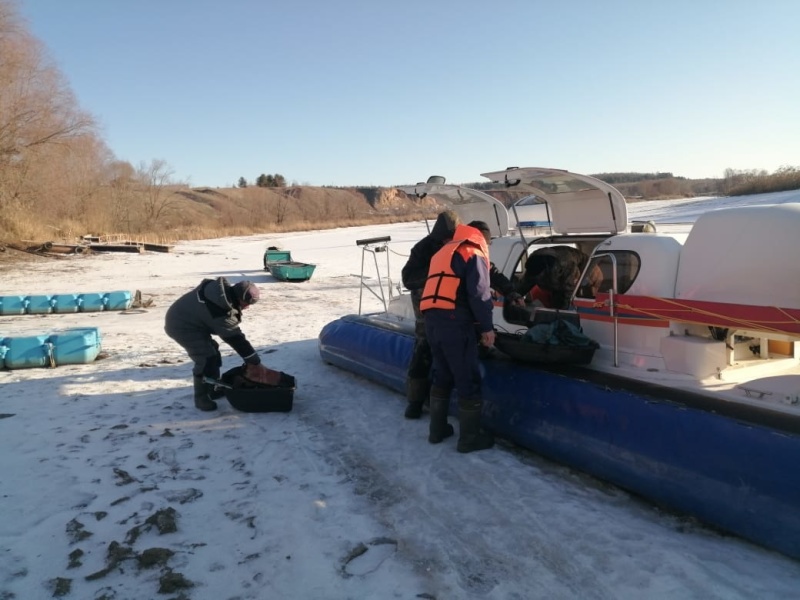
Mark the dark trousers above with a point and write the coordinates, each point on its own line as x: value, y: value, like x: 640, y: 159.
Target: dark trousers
x: 455, y: 357
x: 203, y: 350
x: 421, y: 359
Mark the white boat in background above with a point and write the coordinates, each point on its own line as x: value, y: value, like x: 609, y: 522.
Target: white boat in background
x: 692, y: 398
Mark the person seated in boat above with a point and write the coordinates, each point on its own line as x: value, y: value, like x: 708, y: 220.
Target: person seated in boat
x: 591, y: 282
x: 536, y: 279
x: 533, y: 288
x: 551, y: 275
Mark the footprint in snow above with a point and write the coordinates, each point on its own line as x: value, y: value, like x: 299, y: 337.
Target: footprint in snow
x: 366, y: 558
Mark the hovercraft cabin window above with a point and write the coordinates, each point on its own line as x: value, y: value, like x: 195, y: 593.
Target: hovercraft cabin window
x: 599, y: 279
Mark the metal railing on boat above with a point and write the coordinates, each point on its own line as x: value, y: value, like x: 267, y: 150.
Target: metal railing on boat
x: 375, y: 246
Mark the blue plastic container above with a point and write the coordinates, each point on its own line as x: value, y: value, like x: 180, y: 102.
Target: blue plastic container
x: 120, y: 300
x: 31, y: 351
x: 39, y: 305
x: 65, y: 303
x: 3, y: 351
x: 91, y: 302
x: 75, y: 346
x: 13, y: 305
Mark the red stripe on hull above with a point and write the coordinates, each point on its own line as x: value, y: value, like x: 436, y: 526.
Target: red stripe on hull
x: 770, y: 319
x: 639, y: 322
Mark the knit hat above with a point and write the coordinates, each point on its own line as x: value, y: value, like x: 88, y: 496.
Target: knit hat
x: 481, y: 226
x: 451, y: 219
x: 246, y: 293
x: 445, y: 226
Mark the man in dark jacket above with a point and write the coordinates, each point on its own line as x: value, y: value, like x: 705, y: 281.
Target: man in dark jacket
x: 414, y: 274
x: 215, y: 308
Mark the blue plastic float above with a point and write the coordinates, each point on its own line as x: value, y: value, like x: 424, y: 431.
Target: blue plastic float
x: 67, y: 347
x: 65, y: 303
x: 91, y: 302
x: 13, y: 305
x: 39, y: 305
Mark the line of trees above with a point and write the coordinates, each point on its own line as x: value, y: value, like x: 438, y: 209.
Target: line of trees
x: 615, y: 178
x: 733, y: 183
x: 742, y: 182
x: 266, y: 181
x: 649, y: 186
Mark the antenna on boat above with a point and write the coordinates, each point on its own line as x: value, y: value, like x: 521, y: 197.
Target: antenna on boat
x: 374, y: 246
x: 432, y: 180
x: 511, y: 182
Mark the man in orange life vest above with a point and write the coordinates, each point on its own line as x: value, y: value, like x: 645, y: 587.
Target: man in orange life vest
x: 455, y: 301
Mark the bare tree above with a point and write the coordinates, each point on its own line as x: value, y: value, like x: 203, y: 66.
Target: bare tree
x: 120, y: 179
x: 46, y: 142
x: 155, y: 180
x: 36, y: 105
x: 281, y: 209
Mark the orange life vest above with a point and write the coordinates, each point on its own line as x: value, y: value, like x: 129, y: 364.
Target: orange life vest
x: 442, y: 284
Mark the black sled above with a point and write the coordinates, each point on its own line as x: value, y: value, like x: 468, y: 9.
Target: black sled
x: 248, y: 396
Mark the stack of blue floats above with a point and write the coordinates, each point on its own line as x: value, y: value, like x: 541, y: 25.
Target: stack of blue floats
x: 67, y: 347
x: 65, y: 303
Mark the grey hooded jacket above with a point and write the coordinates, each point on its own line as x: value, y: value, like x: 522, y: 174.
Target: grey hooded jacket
x: 415, y: 271
x: 210, y: 309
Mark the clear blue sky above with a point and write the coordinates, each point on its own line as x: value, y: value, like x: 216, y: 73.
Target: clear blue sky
x: 387, y: 92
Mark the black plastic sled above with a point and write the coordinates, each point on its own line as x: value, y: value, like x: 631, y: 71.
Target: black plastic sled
x: 249, y: 396
x: 528, y: 352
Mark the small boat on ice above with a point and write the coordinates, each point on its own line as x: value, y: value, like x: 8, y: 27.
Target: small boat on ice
x: 691, y: 398
x: 280, y: 265
x: 292, y: 271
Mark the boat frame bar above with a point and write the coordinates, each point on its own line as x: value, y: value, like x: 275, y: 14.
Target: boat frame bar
x: 374, y: 246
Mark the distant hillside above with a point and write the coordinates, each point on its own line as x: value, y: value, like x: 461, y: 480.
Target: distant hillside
x: 205, y: 212
x: 650, y: 186
x: 143, y: 209
x: 208, y: 212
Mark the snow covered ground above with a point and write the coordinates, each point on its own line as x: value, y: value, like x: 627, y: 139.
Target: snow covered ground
x: 113, y: 486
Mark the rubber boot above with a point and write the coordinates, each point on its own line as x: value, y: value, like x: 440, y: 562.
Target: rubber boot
x: 212, y: 369
x: 417, y: 391
x: 440, y: 429
x: 471, y: 436
x: 202, y: 397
